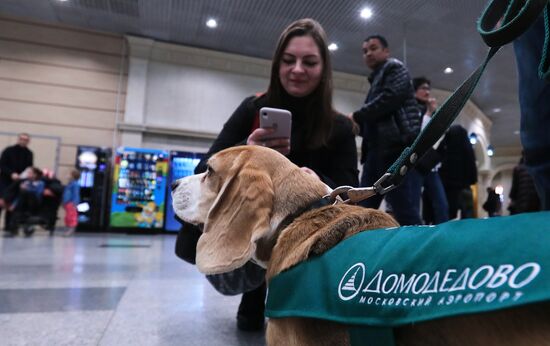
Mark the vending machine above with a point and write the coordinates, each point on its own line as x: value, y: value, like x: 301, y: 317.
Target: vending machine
x: 94, y: 166
x: 139, y: 188
x: 182, y: 164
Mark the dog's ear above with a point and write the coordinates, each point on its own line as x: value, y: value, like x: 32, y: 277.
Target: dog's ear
x: 239, y: 217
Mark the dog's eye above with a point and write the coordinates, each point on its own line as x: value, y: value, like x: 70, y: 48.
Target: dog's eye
x: 209, y: 170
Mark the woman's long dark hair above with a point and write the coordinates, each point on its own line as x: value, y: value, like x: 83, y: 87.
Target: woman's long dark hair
x: 319, y: 113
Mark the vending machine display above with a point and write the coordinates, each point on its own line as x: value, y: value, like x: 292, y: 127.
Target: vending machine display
x: 139, y: 188
x: 182, y: 164
x: 93, y: 164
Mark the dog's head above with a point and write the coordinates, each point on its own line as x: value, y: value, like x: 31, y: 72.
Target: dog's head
x: 241, y: 200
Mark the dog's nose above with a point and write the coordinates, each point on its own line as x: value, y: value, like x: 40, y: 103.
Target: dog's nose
x: 174, y: 185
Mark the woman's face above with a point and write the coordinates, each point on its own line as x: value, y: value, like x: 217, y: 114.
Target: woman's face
x: 301, y: 66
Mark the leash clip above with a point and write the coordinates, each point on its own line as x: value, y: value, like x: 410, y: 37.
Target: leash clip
x: 334, y: 196
x: 358, y: 194
x: 379, y: 188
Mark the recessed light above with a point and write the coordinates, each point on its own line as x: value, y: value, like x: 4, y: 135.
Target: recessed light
x: 332, y: 47
x: 63, y: 0
x: 490, y: 150
x: 473, y: 138
x: 448, y: 70
x: 496, y: 110
x: 516, y: 132
x: 211, y: 23
x: 366, y: 13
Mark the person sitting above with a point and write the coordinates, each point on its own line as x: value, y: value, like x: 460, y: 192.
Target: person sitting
x: 28, y: 197
x: 51, y: 199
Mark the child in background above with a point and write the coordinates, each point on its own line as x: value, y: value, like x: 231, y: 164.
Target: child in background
x: 71, y: 198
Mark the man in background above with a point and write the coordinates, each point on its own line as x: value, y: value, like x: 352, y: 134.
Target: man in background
x: 388, y: 121
x: 13, y: 160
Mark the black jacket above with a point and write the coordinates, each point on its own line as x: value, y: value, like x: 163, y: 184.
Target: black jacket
x: 335, y: 164
x: 14, y: 159
x: 458, y: 165
x: 492, y: 205
x: 390, y: 118
x: 523, y: 194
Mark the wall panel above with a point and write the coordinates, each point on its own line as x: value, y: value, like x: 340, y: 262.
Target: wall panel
x: 62, y: 82
x: 59, y: 115
x: 59, y: 36
x: 60, y: 76
x: 47, y: 55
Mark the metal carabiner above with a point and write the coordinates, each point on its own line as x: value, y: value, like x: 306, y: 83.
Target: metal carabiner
x: 360, y: 194
x: 379, y: 188
x: 334, y: 196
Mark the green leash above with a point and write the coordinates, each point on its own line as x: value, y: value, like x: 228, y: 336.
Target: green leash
x: 517, y: 16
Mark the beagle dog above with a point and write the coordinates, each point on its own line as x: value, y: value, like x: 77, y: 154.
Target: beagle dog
x: 244, y: 200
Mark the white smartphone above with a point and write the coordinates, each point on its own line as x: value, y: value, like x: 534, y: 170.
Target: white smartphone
x: 278, y: 119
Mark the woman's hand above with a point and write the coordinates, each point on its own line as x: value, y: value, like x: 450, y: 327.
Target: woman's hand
x: 282, y: 145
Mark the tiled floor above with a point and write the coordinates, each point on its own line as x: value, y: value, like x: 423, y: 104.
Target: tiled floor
x: 109, y: 289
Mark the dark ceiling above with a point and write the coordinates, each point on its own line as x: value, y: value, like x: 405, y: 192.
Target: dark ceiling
x: 433, y: 34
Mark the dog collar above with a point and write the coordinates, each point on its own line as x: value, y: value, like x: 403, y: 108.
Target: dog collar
x: 323, y: 202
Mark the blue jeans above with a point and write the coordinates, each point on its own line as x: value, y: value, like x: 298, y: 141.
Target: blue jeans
x: 534, y: 101
x: 404, y: 200
x: 433, y: 188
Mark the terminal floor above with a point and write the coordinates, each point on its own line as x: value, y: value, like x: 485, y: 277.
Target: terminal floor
x: 109, y: 289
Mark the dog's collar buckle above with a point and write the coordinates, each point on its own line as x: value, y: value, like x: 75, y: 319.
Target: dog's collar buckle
x: 334, y: 196
x: 354, y: 195
x: 358, y: 194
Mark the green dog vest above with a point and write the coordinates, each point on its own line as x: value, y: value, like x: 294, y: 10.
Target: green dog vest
x: 392, y: 277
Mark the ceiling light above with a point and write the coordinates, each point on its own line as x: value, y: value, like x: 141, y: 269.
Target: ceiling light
x: 211, y: 23
x: 490, y: 150
x: 448, y: 70
x: 366, y: 13
x: 496, y: 110
x: 516, y: 132
x: 473, y: 138
x: 332, y: 47
x: 63, y: 0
